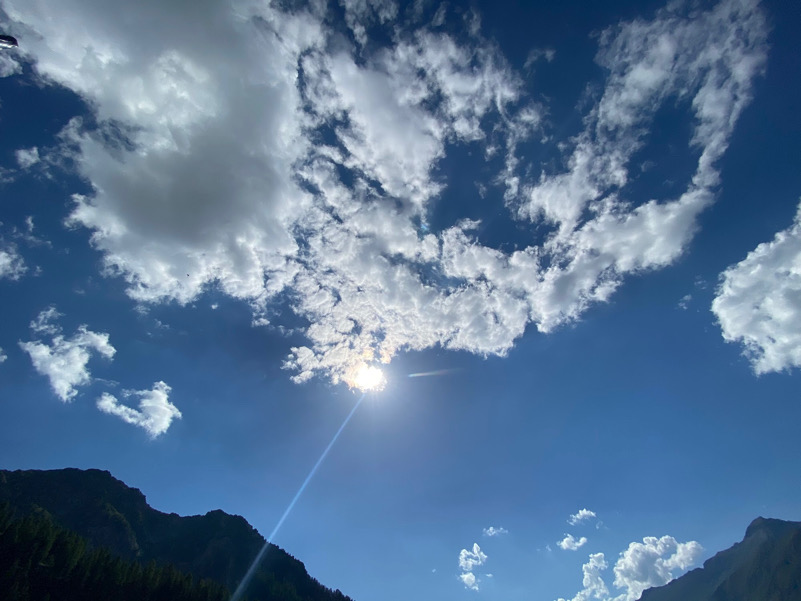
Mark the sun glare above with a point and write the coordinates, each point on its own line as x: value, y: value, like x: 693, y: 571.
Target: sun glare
x: 367, y: 378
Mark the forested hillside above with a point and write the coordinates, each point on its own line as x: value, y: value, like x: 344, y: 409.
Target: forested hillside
x: 116, y: 518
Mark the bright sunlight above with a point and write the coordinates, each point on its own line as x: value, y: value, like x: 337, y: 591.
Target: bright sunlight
x: 367, y: 378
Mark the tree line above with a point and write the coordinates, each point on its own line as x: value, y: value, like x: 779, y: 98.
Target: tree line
x: 40, y: 561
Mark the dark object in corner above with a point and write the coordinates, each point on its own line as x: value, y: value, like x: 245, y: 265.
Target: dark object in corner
x: 8, y: 41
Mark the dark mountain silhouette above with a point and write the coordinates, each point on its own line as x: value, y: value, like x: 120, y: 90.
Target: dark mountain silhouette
x: 765, y: 566
x: 40, y: 561
x: 111, y: 515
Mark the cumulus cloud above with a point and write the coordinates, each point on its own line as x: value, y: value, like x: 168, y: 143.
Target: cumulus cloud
x: 469, y: 580
x: 571, y: 543
x: 3, y: 356
x: 653, y: 562
x: 65, y: 360
x: 758, y: 302
x: 593, y: 582
x: 493, y: 531
x: 310, y: 170
x: 581, y: 516
x: 469, y: 560
x: 155, y: 413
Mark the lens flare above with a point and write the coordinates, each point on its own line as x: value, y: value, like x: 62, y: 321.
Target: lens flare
x: 437, y: 372
x: 367, y: 378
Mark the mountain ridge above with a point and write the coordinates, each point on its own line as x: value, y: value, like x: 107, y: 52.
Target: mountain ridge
x: 764, y: 566
x: 111, y: 514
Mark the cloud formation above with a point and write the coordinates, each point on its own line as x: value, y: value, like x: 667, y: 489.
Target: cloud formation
x: 155, y: 413
x: 493, y: 531
x: 309, y: 172
x: 593, y: 582
x: 27, y: 157
x: 571, y: 543
x: 469, y: 580
x: 581, y: 516
x: 469, y: 560
x: 758, y: 302
x: 64, y: 361
x: 653, y: 562
x: 12, y: 266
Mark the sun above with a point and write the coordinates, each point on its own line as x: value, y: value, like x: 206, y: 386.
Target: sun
x: 367, y: 378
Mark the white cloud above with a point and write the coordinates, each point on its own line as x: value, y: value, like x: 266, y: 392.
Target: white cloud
x: 758, y: 302
x: 469, y: 580
x: 64, y: 360
x: 581, y: 516
x: 593, y: 582
x: 46, y: 322
x: 3, y: 356
x: 653, y: 562
x: 9, y: 65
x: 538, y: 54
x: 493, y: 531
x: 359, y: 13
x: 155, y: 413
x: 571, y: 543
x: 207, y: 176
x: 598, y: 236
x: 12, y: 265
x: 470, y: 559
x: 27, y: 157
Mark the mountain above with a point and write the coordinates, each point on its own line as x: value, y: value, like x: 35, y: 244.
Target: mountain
x: 40, y: 560
x: 765, y: 566
x: 112, y: 515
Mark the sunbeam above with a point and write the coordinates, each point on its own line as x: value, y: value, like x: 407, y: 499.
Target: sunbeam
x: 252, y: 569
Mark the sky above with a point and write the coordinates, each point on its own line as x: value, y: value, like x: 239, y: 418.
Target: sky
x: 555, y: 251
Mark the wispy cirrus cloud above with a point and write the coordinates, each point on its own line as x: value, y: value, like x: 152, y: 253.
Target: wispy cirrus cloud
x: 309, y: 173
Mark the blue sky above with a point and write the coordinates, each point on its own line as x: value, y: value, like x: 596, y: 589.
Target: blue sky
x: 580, y: 222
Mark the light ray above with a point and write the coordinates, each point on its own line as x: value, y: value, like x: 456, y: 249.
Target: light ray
x: 252, y: 569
